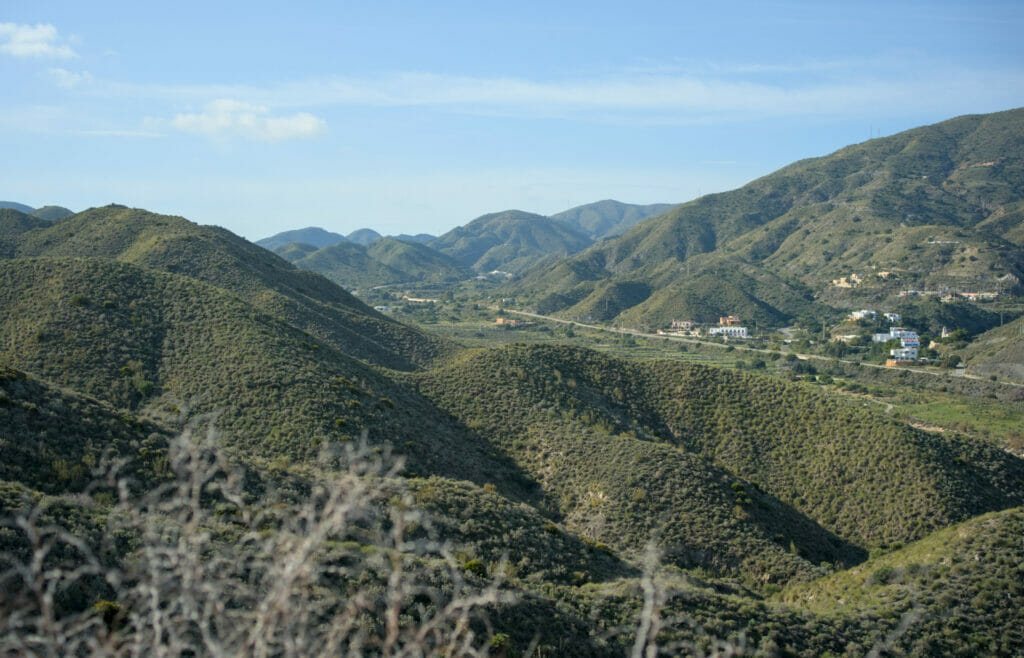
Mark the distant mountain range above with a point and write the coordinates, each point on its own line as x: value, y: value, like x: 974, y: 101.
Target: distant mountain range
x: 510, y: 241
x: 49, y: 213
x: 313, y: 235
x: 384, y: 261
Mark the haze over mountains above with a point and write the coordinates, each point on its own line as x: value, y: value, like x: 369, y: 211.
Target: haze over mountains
x: 510, y: 241
x: 789, y: 519
x: 49, y: 213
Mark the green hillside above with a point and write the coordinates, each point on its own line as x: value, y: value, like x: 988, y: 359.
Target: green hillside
x: 999, y: 352
x: 417, y: 261
x: 12, y: 224
x: 52, y: 441
x: 422, y: 238
x: 958, y: 591
x: 293, y: 251
x: 933, y: 206
x: 385, y: 261
x: 148, y: 340
x: 350, y: 266
x: 509, y: 241
x: 11, y: 205
x: 608, y: 218
x: 218, y: 257
x: 313, y: 235
x: 866, y: 478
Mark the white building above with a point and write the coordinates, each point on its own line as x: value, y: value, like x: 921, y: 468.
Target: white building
x: 864, y: 314
x: 728, y: 332
x: 895, y: 318
x: 903, y: 354
x: 894, y: 333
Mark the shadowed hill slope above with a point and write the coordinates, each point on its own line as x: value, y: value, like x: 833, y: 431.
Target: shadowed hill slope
x: 53, y: 440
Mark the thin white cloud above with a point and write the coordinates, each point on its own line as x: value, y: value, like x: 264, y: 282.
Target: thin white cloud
x: 226, y: 117
x: 70, y: 79
x: 39, y: 40
x: 664, y: 98
x: 121, y: 133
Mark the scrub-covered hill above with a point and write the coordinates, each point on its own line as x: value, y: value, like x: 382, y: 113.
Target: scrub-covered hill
x: 939, y: 205
x: 218, y: 257
x: 509, y: 241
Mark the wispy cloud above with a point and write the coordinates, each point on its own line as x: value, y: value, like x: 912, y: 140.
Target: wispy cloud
x: 70, y: 79
x: 672, y: 98
x: 116, y: 132
x: 225, y: 117
x: 653, y: 97
x: 40, y: 40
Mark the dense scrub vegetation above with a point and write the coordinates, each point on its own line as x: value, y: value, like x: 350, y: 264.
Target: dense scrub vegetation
x: 869, y: 479
x: 207, y: 450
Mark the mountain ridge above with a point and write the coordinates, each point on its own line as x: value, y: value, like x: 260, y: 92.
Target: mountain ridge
x: 907, y: 207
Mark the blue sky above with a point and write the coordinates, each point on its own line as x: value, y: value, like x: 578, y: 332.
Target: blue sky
x: 417, y: 117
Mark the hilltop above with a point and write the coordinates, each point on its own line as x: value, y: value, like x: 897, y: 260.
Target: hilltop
x: 608, y: 218
x: 363, y: 236
x: 312, y: 235
x: 12, y: 205
x: 510, y: 241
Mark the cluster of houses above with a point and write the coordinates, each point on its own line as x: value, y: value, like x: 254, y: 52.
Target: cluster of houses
x: 728, y: 327
x: 910, y: 342
x: 946, y: 295
x: 854, y: 280
x: 867, y: 314
x: 512, y: 323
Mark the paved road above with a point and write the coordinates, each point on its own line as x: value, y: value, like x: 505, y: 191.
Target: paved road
x: 694, y: 341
